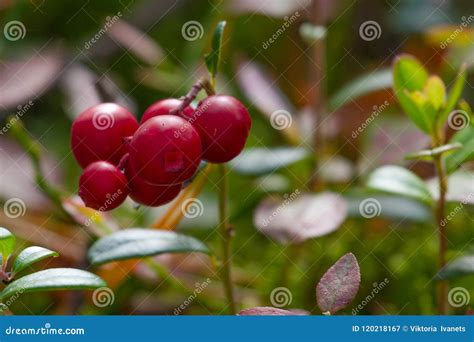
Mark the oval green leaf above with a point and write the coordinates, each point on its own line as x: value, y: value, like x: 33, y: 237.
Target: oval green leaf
x: 466, y: 138
x: 261, y: 160
x: 53, y: 279
x: 410, y: 76
x: 400, y: 181
x: 212, y: 58
x: 7, y: 242
x: 31, y: 255
x: 138, y: 243
x: 458, y: 268
x: 363, y: 85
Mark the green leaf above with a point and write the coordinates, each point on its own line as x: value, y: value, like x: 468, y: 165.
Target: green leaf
x: 261, y: 160
x: 138, y: 243
x: 454, y: 94
x: 363, y: 85
x: 400, y: 181
x: 410, y: 76
x: 31, y: 255
x: 51, y: 280
x: 435, y: 90
x: 429, y: 154
x: 458, y: 268
x: 7, y: 243
x: 212, y: 59
x: 466, y: 138
x: 388, y: 206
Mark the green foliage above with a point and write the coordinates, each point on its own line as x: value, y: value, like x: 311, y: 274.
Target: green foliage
x: 464, y: 137
x: 424, y: 98
x: 46, y: 280
x: 138, y: 243
x: 363, y: 85
x: 7, y: 243
x: 261, y: 160
x: 31, y: 255
x: 460, y: 267
x: 53, y: 279
x: 409, y: 80
x: 213, y: 58
x: 399, y: 181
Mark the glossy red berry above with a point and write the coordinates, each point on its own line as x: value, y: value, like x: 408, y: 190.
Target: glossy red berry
x: 164, y: 107
x: 103, y: 186
x: 98, y: 133
x: 223, y: 124
x: 166, y: 149
x: 149, y: 194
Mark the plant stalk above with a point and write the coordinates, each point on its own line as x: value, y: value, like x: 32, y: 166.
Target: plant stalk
x: 227, y: 233
x: 442, y: 291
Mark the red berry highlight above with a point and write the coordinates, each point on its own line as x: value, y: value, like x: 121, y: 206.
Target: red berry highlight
x: 165, y: 150
x: 149, y: 194
x: 223, y: 124
x: 103, y: 186
x: 98, y: 133
x: 164, y: 107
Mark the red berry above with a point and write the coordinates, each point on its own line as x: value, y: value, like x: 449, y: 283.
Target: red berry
x: 223, y: 124
x: 98, y: 133
x: 166, y: 149
x: 103, y: 186
x: 164, y: 107
x: 149, y: 194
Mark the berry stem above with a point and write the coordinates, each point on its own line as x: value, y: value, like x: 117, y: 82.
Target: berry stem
x: 203, y: 83
x: 227, y: 235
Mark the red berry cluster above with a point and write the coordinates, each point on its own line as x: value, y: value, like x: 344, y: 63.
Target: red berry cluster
x: 150, y: 161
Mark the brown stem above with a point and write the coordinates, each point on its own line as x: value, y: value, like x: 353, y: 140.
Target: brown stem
x: 442, y: 231
x: 317, y: 79
x: 203, y: 83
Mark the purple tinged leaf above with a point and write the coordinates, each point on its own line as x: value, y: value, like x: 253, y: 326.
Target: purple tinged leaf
x: 300, y: 217
x: 339, y: 285
x: 268, y: 311
x: 25, y: 80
